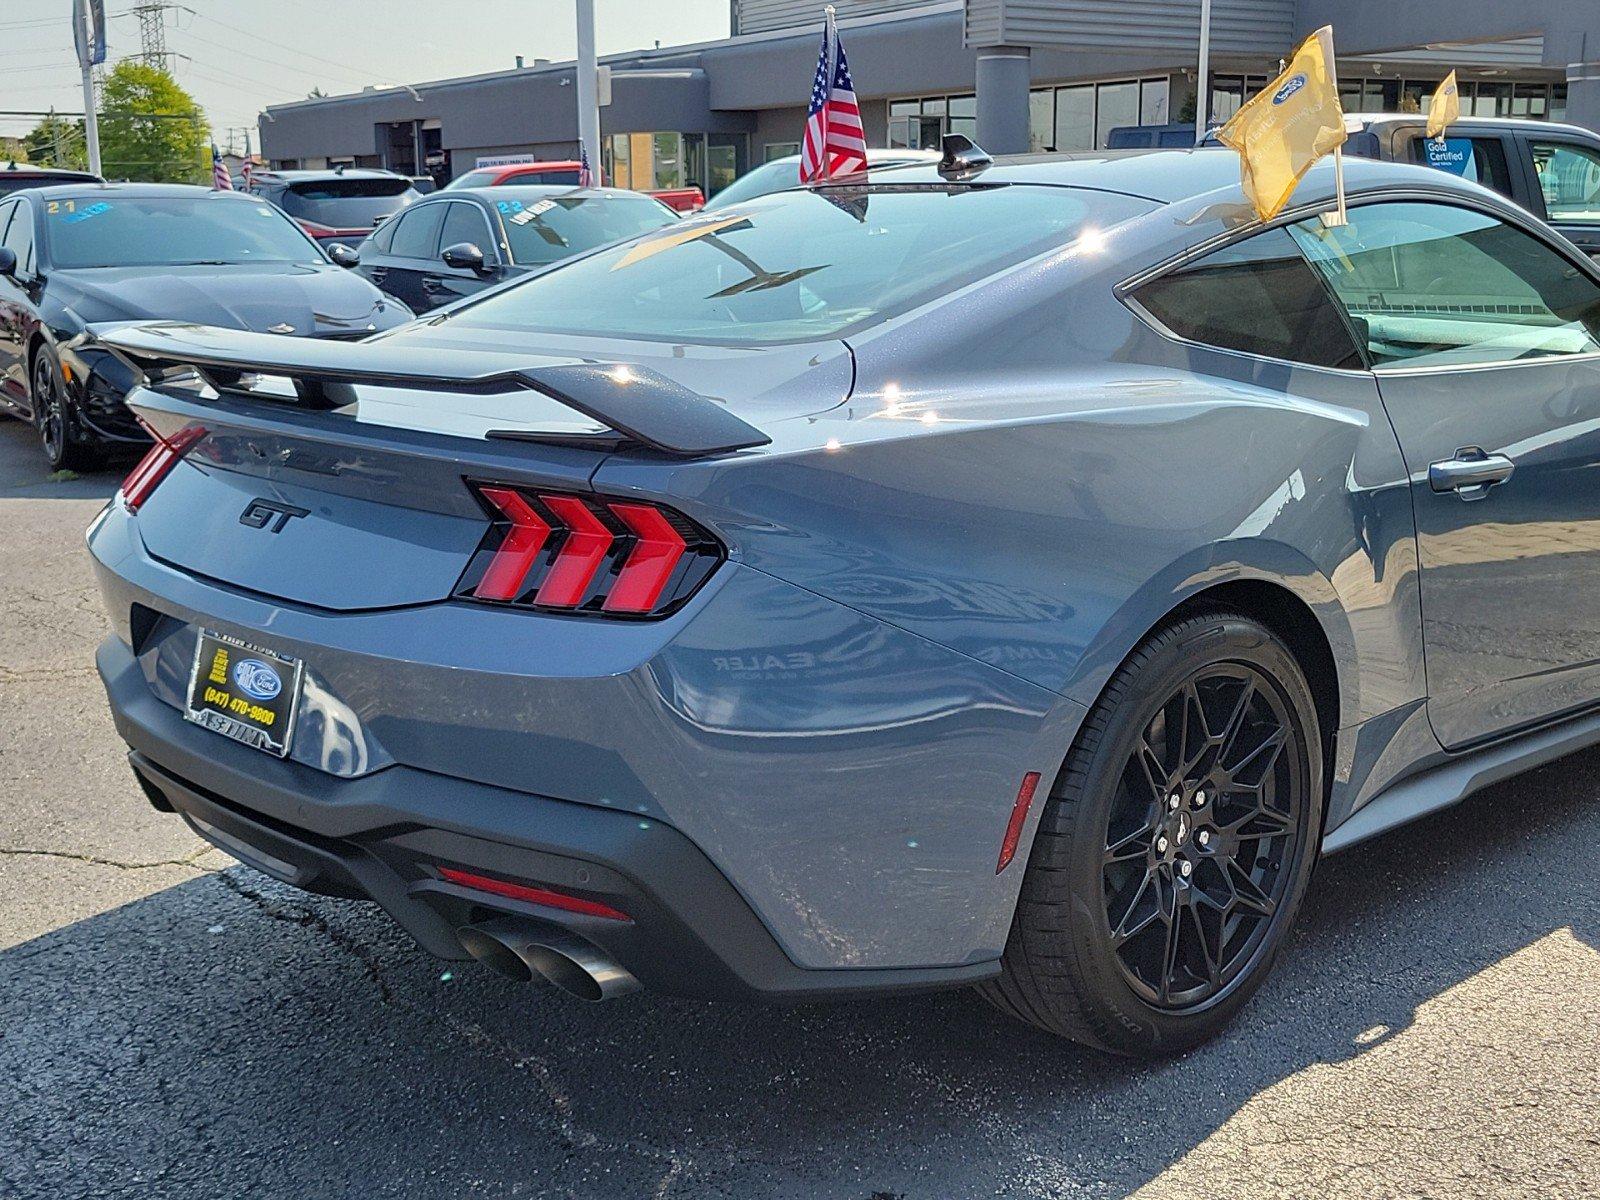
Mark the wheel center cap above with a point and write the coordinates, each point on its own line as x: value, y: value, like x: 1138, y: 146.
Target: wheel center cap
x: 1181, y: 827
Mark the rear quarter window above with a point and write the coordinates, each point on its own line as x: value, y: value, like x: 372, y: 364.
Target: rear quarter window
x: 1257, y: 296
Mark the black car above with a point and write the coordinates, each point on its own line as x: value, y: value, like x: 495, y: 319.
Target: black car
x: 465, y: 239
x: 339, y: 206
x: 19, y: 176
x: 74, y: 257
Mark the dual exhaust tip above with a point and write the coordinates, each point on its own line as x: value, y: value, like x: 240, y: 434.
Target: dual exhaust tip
x: 524, y: 951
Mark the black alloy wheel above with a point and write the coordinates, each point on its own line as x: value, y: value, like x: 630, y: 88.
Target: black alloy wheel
x: 1176, y: 845
x: 53, y: 415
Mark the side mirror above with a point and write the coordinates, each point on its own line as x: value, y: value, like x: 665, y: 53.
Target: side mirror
x: 8, y: 261
x: 463, y: 256
x: 343, y: 256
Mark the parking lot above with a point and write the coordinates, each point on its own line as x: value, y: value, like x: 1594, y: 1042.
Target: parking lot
x: 175, y: 1025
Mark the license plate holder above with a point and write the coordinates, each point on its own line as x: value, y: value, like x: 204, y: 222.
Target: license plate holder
x: 244, y: 692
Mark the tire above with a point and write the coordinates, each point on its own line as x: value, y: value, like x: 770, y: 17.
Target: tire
x: 1112, y: 844
x: 66, y: 444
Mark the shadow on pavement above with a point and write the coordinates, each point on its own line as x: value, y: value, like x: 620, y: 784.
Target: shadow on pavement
x: 230, y: 1036
x: 25, y: 473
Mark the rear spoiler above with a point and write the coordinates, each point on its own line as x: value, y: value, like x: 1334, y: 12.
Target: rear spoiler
x: 635, y: 401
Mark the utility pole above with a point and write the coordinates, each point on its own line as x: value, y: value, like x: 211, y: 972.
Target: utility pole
x: 588, y: 99
x: 1202, y: 98
x: 89, y: 38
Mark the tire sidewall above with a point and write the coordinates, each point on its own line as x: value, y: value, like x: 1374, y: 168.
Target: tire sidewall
x: 1124, y: 1015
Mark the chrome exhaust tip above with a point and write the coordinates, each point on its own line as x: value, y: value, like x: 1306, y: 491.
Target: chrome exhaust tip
x: 524, y: 950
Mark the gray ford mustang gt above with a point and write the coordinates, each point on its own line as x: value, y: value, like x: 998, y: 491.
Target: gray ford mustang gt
x: 1007, y: 573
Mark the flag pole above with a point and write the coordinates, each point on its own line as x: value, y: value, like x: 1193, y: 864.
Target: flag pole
x: 833, y: 70
x: 1339, y: 217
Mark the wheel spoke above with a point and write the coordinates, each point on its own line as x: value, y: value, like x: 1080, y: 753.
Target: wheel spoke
x: 1235, y: 722
x: 1264, y: 756
x: 1121, y: 932
x: 1130, y: 848
x: 1248, y: 895
x: 1213, y: 961
x: 1172, y: 915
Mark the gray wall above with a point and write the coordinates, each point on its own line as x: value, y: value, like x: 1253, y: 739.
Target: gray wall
x: 1237, y: 26
x: 756, y: 16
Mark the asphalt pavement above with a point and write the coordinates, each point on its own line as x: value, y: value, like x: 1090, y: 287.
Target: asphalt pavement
x: 175, y: 1025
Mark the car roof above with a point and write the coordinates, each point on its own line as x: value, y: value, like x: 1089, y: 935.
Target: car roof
x: 526, y: 191
x: 20, y: 168
x: 544, y: 164
x: 895, y: 154
x: 138, y: 191
x: 1161, y: 175
x: 1367, y: 120
x: 299, y: 174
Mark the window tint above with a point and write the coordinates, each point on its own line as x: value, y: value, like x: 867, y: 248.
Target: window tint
x: 466, y: 223
x: 348, y: 203
x: 5, y: 219
x: 418, y: 233
x: 801, y: 264
x: 1480, y: 159
x: 1258, y: 296
x: 1436, y: 285
x: 1569, y: 177
x: 384, y: 234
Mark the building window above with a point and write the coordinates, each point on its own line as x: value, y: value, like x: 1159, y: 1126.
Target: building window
x: 922, y: 122
x: 774, y: 150
x: 1080, y: 116
x: 1479, y: 98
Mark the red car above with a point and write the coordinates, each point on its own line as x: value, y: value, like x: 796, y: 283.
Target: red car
x: 564, y: 171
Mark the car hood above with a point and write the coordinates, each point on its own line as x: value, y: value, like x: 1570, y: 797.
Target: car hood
x: 260, y: 297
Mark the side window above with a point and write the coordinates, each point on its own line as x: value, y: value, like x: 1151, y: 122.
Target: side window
x: 1436, y: 285
x: 1480, y: 159
x: 418, y: 233
x: 384, y: 234
x: 19, y: 237
x: 1257, y: 296
x: 5, y: 218
x: 466, y: 223
x: 1569, y: 177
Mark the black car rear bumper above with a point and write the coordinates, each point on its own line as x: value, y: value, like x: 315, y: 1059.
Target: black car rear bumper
x: 383, y: 837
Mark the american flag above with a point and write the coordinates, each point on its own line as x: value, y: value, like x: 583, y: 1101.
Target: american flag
x: 249, y: 171
x: 220, y: 179
x: 835, y: 143
x: 585, y: 175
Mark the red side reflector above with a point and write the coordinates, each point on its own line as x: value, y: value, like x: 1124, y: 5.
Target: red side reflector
x: 1019, y: 816
x: 650, y: 564
x: 156, y: 464
x: 580, y: 555
x: 533, y: 895
x: 515, y: 557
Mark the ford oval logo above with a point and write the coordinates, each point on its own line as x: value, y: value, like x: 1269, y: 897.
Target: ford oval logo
x: 1290, y: 87
x: 256, y: 678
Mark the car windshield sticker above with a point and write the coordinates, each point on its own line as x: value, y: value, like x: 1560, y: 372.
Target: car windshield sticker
x: 532, y: 212
x: 69, y: 211
x: 681, y: 236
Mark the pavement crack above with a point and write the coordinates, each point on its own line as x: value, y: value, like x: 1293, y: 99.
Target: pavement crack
x: 474, y: 1035
x: 96, y: 860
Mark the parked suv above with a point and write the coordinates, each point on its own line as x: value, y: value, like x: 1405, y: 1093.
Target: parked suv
x: 567, y: 171
x: 338, y: 207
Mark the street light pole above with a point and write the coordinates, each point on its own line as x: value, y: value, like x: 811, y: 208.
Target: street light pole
x: 588, y: 107
x: 1202, y: 99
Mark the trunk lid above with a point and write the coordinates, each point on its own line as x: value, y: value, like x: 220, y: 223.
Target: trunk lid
x: 359, y: 500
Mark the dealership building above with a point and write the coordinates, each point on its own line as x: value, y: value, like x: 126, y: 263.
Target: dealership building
x: 1015, y: 74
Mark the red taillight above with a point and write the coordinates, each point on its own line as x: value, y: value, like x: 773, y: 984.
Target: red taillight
x: 156, y: 464
x: 650, y: 564
x: 580, y: 554
x: 318, y: 230
x: 586, y: 554
x: 1019, y: 816
x: 533, y: 895
x: 511, y: 564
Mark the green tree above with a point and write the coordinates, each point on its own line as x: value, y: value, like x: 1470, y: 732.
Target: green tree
x: 57, y: 142
x: 151, y: 128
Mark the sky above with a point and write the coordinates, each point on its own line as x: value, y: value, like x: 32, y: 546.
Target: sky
x: 242, y: 55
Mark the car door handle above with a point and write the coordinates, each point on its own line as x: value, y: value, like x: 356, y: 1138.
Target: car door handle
x: 434, y: 286
x: 378, y: 274
x: 1470, y: 474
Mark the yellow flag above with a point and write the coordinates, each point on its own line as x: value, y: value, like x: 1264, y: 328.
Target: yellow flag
x: 1444, y: 108
x: 1281, y: 131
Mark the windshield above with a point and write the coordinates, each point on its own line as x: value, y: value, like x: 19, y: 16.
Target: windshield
x: 213, y: 227
x: 348, y: 203
x: 555, y: 227
x: 770, y: 177
x: 802, y: 264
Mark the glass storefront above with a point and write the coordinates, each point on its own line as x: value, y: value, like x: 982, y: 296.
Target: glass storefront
x: 1081, y: 116
x: 663, y: 161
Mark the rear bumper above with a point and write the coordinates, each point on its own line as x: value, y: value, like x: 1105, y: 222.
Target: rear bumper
x: 382, y: 837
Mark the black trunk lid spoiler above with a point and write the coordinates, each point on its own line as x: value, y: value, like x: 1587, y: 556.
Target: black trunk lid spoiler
x: 636, y: 402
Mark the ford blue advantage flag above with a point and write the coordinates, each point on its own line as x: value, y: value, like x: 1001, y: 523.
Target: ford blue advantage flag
x: 89, y: 31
